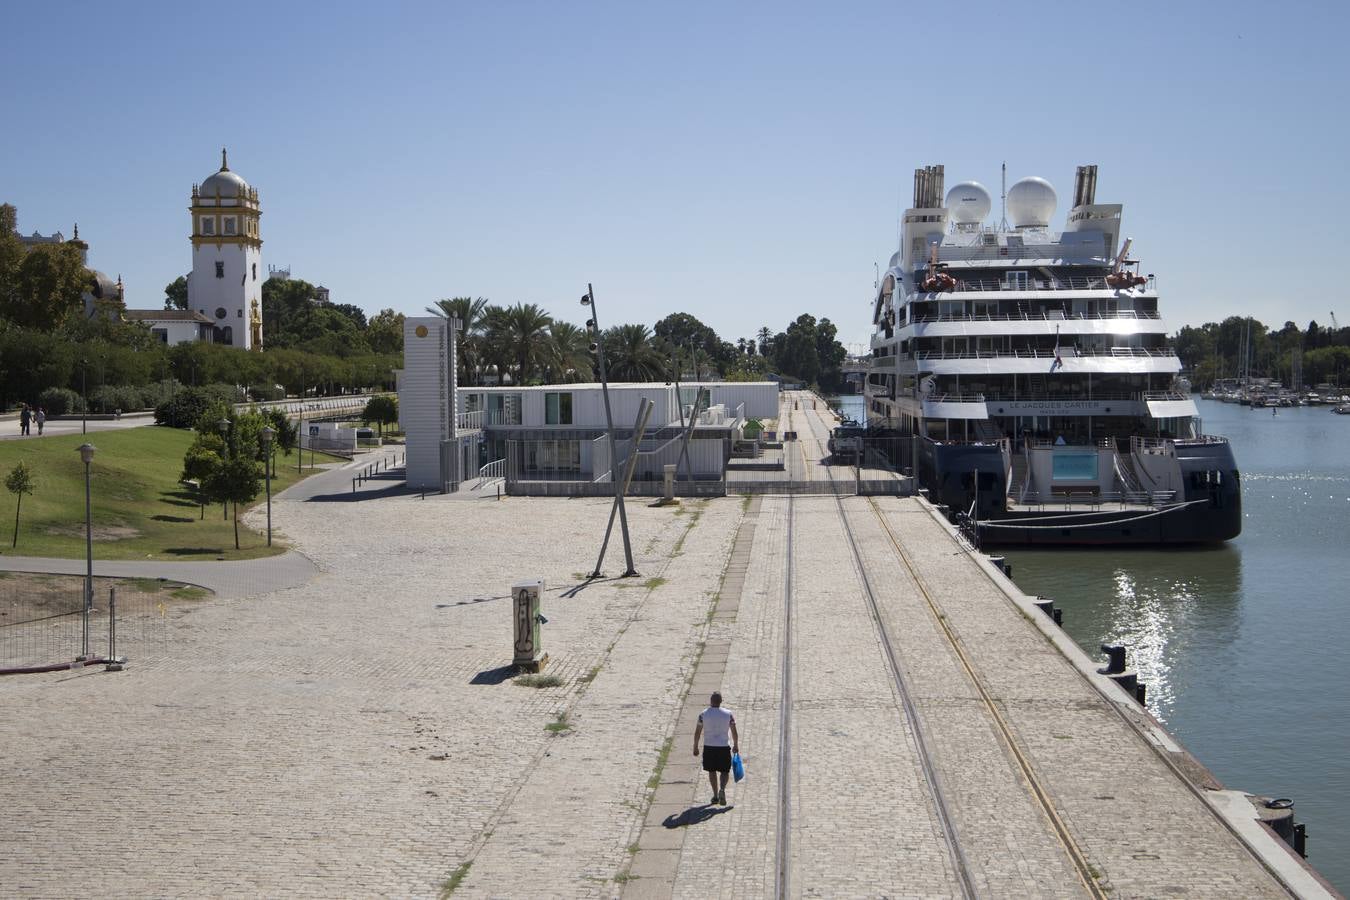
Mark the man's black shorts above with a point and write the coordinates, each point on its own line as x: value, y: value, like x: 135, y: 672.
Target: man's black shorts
x: 716, y: 759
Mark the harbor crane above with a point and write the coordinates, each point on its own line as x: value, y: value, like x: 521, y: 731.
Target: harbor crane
x: 1334, y: 326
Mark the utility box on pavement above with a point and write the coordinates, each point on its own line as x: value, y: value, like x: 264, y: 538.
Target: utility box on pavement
x: 669, y: 473
x: 525, y: 595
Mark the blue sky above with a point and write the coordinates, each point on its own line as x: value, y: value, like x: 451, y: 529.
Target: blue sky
x: 741, y: 162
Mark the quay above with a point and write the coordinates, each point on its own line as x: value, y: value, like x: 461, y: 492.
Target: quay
x: 912, y: 724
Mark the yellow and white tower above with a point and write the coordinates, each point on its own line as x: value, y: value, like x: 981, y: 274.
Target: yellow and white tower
x: 225, y: 283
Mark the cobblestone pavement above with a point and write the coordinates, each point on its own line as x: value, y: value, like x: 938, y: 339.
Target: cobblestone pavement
x: 354, y: 736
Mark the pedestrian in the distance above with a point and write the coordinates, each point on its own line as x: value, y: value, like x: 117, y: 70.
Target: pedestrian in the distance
x: 717, y: 727
x: 41, y: 419
x: 24, y: 416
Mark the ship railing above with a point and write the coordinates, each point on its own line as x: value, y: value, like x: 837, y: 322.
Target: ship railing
x: 1041, y: 316
x: 1070, y: 498
x: 1048, y: 444
x: 955, y: 397
x: 1050, y: 353
x: 1166, y: 395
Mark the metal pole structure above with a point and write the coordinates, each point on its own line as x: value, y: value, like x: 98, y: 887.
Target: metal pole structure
x: 684, y: 446
x: 87, y: 455
x: 267, y: 434
x: 644, y: 413
x: 594, y: 326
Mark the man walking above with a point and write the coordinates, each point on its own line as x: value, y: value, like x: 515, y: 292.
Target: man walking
x: 717, y: 727
x: 24, y: 415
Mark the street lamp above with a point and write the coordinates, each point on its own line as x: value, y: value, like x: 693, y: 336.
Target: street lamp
x: 593, y: 325
x: 229, y: 453
x: 267, y: 434
x: 87, y: 455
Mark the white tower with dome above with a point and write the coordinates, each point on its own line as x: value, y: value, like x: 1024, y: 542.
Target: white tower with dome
x: 226, y: 284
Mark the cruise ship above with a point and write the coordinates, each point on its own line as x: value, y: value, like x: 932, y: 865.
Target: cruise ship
x: 1032, y: 371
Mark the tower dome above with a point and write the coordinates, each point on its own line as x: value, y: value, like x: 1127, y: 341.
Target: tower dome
x: 1031, y: 203
x: 225, y: 183
x: 969, y: 203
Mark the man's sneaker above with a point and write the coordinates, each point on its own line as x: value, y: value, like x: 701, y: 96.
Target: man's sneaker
x: 713, y: 801
x: 722, y: 797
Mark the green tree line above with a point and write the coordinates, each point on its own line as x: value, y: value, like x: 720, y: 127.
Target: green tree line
x: 525, y: 345
x: 1215, y: 350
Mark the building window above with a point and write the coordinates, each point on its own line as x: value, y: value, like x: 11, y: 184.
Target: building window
x: 161, y: 334
x: 239, y: 313
x: 220, y: 270
x: 229, y: 224
x: 208, y: 225
x: 220, y: 312
x: 255, y: 271
x: 558, y: 408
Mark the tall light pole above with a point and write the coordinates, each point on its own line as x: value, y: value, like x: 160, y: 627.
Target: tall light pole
x: 84, y: 397
x: 229, y: 454
x: 87, y: 455
x: 593, y: 326
x: 267, y: 434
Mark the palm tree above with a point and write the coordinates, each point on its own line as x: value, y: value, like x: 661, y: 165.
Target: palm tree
x: 469, y: 311
x: 630, y: 354
x: 568, y: 356
x: 494, y: 341
x: 527, y: 333
x: 765, y: 336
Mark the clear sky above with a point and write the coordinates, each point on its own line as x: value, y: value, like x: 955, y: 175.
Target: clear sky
x: 741, y: 162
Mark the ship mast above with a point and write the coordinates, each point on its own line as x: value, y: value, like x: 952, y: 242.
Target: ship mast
x: 1003, y: 200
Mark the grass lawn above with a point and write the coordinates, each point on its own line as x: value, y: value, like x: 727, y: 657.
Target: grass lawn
x: 140, y: 511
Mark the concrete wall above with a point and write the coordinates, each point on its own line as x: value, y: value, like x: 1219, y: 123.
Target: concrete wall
x: 177, y: 332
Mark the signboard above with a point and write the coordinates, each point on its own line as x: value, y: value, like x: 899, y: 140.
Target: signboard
x: 1065, y: 407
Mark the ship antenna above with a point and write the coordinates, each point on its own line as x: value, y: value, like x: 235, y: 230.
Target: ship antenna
x: 1003, y: 200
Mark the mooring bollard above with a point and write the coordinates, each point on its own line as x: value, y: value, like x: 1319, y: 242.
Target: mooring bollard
x: 1116, y: 659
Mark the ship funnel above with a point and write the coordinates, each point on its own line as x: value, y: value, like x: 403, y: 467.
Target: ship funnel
x: 928, y: 184
x: 1085, y: 186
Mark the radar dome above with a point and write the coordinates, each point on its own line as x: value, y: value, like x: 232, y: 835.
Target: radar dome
x: 1031, y: 203
x: 969, y: 203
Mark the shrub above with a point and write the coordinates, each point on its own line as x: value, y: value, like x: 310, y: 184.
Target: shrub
x: 110, y: 398
x: 59, y: 401
x: 259, y: 393
x: 230, y: 393
x: 184, y: 408
x: 152, y: 395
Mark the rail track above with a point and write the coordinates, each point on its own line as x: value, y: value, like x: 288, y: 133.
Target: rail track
x: 965, y: 876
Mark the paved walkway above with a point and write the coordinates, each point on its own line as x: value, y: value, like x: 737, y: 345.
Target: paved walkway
x: 9, y: 426
x: 359, y: 734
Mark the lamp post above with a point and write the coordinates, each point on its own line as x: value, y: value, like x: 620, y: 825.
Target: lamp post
x: 87, y: 455
x: 267, y: 434
x: 229, y: 454
x: 84, y: 397
x: 593, y: 325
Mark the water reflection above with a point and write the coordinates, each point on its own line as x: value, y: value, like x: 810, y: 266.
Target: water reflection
x: 1156, y: 603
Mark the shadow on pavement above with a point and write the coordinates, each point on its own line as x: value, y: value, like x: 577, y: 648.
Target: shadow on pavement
x: 499, y: 675
x: 394, y: 490
x: 694, y: 815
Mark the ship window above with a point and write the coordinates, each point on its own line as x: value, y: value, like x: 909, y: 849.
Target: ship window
x: 1015, y: 281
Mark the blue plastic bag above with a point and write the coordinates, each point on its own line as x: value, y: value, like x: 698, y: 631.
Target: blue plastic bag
x: 737, y: 767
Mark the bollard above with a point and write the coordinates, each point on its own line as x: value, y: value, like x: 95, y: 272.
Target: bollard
x: 1141, y: 693
x: 1045, y: 605
x: 353, y: 485
x: 1116, y: 659
x: 526, y: 618
x: 1059, y: 617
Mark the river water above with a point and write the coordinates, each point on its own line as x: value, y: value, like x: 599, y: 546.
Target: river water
x: 1245, y: 647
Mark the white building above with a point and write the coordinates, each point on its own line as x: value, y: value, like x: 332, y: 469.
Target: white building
x: 225, y: 284
x: 173, y: 326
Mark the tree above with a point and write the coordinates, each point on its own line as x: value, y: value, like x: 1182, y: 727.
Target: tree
x: 384, y: 332
x: 237, y: 479
x: 176, y: 293
x: 631, y: 355
x: 46, y: 287
x: 568, y: 354
x: 472, y: 315
x: 682, y: 329
x: 19, y: 481
x: 351, y: 311
x: 527, y: 334
x: 200, y: 463
x: 382, y: 410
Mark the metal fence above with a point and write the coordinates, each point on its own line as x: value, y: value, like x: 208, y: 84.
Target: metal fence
x: 44, y: 626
